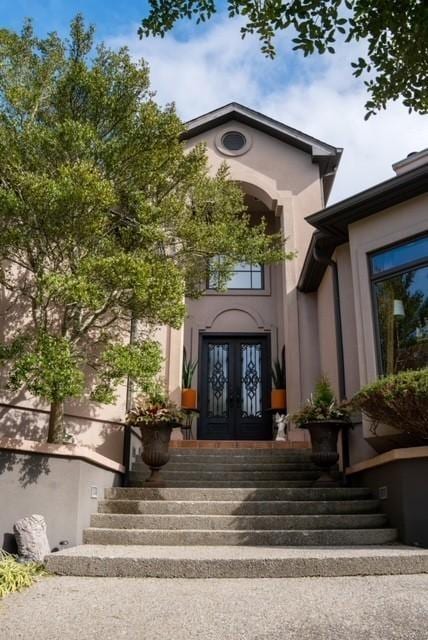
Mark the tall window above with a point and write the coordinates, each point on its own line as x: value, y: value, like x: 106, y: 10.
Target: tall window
x: 244, y: 276
x: 400, y: 289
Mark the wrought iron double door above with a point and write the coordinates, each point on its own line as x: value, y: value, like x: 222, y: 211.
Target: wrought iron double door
x: 234, y: 384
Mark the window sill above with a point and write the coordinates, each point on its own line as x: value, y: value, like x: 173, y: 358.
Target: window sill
x: 238, y: 292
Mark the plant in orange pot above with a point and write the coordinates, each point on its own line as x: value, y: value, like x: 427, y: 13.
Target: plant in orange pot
x: 189, y: 396
x: 278, y: 394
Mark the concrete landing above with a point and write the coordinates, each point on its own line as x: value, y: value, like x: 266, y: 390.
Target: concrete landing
x: 349, y: 608
x: 236, y: 562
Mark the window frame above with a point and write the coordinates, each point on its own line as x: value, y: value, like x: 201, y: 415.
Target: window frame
x: 213, y: 290
x: 387, y: 275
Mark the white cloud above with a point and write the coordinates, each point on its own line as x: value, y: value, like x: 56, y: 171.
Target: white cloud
x: 318, y: 95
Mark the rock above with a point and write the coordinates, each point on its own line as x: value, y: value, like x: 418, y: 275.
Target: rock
x: 31, y: 538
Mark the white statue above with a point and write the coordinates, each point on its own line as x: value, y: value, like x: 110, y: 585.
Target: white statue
x: 281, y: 423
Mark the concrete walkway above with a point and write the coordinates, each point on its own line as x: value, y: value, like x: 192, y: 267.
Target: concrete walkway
x: 357, y: 608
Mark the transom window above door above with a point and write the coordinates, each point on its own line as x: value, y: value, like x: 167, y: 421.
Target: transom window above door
x: 243, y: 276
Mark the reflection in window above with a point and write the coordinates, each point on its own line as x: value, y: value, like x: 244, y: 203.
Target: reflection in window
x: 401, y: 297
x: 244, y: 276
x: 400, y: 255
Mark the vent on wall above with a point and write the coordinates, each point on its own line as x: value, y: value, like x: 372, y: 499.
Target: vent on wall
x: 383, y: 493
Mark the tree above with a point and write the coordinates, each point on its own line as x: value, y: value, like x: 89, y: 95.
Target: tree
x: 396, y: 33
x: 104, y: 217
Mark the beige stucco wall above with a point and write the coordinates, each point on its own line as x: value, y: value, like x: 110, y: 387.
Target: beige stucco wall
x: 375, y: 232
x: 288, y: 182
x: 97, y: 426
x: 327, y: 330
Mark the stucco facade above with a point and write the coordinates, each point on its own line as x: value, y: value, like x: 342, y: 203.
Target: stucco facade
x: 317, y: 305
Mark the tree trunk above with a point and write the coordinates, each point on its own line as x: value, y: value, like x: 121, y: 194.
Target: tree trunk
x: 56, y: 423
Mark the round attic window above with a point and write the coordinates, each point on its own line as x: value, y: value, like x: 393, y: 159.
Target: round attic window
x: 233, y: 141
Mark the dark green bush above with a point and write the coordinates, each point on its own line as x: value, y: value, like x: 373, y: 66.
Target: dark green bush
x: 399, y: 400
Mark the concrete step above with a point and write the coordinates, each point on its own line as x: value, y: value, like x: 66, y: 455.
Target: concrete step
x: 229, y: 507
x: 236, y: 562
x: 331, y: 537
x: 237, y: 494
x: 232, y: 457
x: 229, y: 475
x: 237, y: 522
x: 213, y: 467
x: 224, y: 484
x: 270, y: 449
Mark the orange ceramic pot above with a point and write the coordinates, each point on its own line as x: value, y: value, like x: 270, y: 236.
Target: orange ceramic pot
x: 189, y: 399
x: 278, y: 399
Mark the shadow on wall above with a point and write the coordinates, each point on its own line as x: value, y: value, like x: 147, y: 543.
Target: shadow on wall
x: 20, y: 422
x: 30, y: 468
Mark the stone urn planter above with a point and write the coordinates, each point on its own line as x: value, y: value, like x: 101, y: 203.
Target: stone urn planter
x: 156, y: 416
x: 324, y: 436
x: 324, y: 418
x: 155, y: 454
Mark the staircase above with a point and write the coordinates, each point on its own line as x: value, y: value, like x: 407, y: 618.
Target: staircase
x: 237, y: 513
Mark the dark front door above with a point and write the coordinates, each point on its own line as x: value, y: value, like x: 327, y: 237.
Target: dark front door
x: 234, y: 383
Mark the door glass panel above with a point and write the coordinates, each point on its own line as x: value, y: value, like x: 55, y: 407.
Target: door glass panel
x: 251, y: 380
x: 218, y: 380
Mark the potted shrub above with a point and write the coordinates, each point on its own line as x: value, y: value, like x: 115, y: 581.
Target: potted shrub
x: 278, y: 393
x: 399, y: 400
x: 156, y: 416
x: 324, y: 418
x: 189, y: 396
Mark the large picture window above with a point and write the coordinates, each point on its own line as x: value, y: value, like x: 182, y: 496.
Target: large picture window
x: 244, y: 276
x: 400, y: 289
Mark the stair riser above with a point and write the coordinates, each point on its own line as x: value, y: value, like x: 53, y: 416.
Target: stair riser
x: 254, y: 538
x: 247, y: 523
x: 229, y: 568
x: 231, y: 467
x: 237, y: 508
x: 260, y: 484
x: 233, y: 476
x: 237, y: 494
x: 240, y: 451
x: 238, y: 459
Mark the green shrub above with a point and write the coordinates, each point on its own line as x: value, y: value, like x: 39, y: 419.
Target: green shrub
x: 15, y: 576
x: 399, y: 400
x: 321, y: 406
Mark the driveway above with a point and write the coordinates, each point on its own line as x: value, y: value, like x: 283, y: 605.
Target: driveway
x: 358, y: 608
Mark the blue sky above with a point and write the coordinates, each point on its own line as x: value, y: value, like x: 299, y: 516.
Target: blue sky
x: 201, y: 68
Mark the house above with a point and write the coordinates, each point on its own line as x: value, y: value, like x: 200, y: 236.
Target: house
x: 352, y: 304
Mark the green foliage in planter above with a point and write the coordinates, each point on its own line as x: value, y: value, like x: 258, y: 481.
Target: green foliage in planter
x: 151, y: 409
x: 189, y: 368
x: 321, y: 406
x: 15, y: 576
x: 278, y: 371
x: 399, y: 400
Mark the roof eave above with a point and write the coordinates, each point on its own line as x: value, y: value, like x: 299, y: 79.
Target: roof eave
x: 332, y: 223
x: 234, y: 111
x: 337, y: 218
